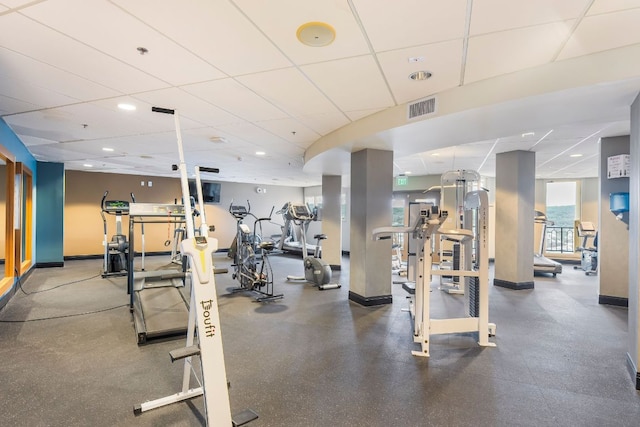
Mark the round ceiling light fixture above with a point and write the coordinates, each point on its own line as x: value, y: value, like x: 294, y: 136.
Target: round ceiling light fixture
x: 316, y: 34
x: 420, y: 75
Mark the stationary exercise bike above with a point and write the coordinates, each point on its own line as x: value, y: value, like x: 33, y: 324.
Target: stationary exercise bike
x: 251, y: 264
x: 316, y: 270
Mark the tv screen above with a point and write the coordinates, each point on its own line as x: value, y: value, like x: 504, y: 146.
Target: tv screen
x: 210, y: 191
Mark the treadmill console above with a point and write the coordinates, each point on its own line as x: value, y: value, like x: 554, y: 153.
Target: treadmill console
x: 586, y: 228
x: 238, y: 211
x: 300, y: 212
x: 116, y: 206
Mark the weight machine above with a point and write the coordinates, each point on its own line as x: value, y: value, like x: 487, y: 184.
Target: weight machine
x: 452, y: 253
x: 204, y: 320
x: 427, y: 226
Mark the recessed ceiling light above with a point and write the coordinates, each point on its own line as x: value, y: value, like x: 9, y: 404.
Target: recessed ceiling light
x: 576, y: 155
x: 107, y: 149
x: 407, y: 173
x: 260, y: 153
x: 126, y: 107
x: 87, y: 165
x: 526, y: 134
x: 435, y: 154
x: 218, y: 139
x: 420, y: 75
x: 316, y: 34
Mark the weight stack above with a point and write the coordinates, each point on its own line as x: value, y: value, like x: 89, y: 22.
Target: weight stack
x: 472, y: 295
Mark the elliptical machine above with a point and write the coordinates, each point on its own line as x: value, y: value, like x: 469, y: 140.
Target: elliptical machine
x: 316, y: 270
x: 116, y: 251
x: 588, y: 254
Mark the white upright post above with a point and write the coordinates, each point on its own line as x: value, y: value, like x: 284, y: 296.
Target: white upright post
x: 204, y: 317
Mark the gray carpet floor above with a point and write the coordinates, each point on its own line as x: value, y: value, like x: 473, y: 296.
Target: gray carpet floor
x: 316, y: 359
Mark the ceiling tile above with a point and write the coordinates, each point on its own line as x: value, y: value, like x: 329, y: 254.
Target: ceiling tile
x: 393, y: 25
x: 290, y: 91
x: 490, y: 16
x: 359, y: 85
x: 602, y: 32
x: 290, y: 130
x: 508, y: 51
x: 280, y: 19
x: 213, y: 30
x: 443, y: 60
x: 189, y: 106
x: 233, y: 97
x: 13, y: 4
x: 66, y: 54
x: 324, y: 123
x: 92, y: 22
x: 605, y: 6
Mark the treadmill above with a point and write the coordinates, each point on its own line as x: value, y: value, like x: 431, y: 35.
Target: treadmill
x: 542, y: 264
x: 297, y: 217
x: 157, y: 299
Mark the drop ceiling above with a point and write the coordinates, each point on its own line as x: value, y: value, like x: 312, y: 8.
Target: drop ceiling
x: 243, y: 83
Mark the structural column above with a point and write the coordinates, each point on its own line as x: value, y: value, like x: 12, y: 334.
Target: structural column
x: 49, y: 214
x: 613, y: 233
x: 371, y: 195
x: 515, y: 198
x: 634, y: 245
x: 332, y: 220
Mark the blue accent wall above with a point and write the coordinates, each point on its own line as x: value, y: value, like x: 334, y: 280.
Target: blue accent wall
x: 11, y: 142
x: 50, y: 215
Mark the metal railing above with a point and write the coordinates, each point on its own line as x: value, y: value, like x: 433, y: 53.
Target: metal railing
x: 559, y: 240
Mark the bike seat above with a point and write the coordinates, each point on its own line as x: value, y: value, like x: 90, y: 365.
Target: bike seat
x: 320, y: 236
x: 267, y: 246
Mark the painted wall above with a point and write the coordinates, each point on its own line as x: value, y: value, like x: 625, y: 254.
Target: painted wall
x: 84, y: 227
x: 613, y: 236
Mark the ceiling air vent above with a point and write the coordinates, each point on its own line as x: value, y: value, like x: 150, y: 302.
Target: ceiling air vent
x: 424, y: 107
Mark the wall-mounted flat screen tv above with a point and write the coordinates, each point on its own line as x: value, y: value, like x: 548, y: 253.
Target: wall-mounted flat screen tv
x: 210, y: 191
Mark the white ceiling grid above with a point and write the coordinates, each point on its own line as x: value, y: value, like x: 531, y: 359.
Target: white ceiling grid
x: 234, y: 69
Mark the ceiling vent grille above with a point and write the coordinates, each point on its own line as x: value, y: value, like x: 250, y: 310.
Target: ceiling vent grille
x: 424, y: 107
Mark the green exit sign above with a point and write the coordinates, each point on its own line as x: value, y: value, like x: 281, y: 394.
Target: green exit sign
x: 402, y: 180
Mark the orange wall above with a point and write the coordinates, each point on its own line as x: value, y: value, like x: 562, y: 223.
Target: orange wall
x: 83, y: 227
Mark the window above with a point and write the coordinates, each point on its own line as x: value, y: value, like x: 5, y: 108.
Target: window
x: 561, y: 214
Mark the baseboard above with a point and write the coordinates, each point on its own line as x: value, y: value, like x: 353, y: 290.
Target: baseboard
x: 49, y: 264
x: 370, y: 301
x: 516, y: 286
x: 617, y: 301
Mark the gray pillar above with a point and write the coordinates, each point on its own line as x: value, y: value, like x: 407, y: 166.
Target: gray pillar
x: 634, y: 246
x: 371, y: 195
x: 613, y: 234
x: 515, y: 199
x: 332, y: 221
